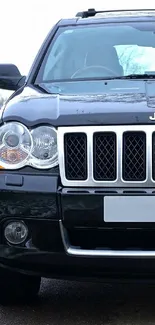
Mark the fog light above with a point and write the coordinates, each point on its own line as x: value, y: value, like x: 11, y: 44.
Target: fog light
x: 16, y: 232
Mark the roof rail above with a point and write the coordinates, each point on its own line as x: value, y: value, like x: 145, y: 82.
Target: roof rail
x: 88, y: 13
x: 92, y: 12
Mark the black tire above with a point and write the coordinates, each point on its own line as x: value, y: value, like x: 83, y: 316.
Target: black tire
x: 18, y: 288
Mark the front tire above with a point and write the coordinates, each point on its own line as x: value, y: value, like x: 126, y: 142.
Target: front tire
x: 17, y: 288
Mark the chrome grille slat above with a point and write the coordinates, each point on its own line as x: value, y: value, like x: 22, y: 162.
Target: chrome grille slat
x: 149, y: 131
x: 89, y: 155
x: 153, y: 155
x: 119, y: 130
x: 119, y: 155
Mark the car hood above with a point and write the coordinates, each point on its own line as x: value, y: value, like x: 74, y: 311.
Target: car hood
x: 132, y: 103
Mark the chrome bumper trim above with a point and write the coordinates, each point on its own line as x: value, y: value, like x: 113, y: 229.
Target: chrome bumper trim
x: 75, y: 251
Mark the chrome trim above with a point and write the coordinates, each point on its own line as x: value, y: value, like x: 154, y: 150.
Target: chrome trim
x: 107, y: 191
x: 119, y: 130
x: 75, y: 251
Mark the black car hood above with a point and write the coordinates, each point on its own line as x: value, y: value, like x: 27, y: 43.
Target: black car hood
x: 132, y: 103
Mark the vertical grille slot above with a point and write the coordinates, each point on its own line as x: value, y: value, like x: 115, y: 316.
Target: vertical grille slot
x: 134, y: 156
x: 75, y: 156
x: 104, y: 156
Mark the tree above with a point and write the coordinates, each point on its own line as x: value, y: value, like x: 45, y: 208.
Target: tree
x: 1, y: 101
x: 129, y: 57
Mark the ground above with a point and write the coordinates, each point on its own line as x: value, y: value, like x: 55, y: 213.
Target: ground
x: 70, y: 303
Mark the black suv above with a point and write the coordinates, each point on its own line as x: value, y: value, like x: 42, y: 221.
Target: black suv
x: 77, y: 155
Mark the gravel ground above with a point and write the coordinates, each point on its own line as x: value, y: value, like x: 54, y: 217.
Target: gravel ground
x: 71, y: 303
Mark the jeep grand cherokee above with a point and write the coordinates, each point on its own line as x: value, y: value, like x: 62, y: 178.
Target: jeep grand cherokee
x: 77, y: 155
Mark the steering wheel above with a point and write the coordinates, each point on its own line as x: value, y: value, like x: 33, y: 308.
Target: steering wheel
x: 79, y: 73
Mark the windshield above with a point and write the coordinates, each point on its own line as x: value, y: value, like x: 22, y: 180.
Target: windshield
x: 81, y: 53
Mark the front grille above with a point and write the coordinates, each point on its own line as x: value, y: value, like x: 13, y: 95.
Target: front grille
x: 104, y: 156
x: 134, y: 156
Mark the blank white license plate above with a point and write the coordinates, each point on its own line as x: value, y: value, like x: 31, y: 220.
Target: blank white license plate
x: 129, y: 208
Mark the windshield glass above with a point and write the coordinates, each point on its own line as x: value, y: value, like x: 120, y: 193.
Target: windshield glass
x: 82, y: 53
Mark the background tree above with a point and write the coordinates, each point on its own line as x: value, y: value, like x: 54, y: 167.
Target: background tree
x: 129, y: 57
x: 2, y: 100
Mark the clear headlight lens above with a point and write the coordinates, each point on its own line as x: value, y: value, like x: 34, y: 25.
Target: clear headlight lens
x: 44, y: 153
x: 15, y: 145
x: 20, y: 147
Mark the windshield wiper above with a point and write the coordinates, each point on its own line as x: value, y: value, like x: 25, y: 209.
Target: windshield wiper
x: 129, y: 77
x: 43, y: 87
x: 137, y: 76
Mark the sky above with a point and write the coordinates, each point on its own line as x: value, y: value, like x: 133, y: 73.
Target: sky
x: 25, y: 23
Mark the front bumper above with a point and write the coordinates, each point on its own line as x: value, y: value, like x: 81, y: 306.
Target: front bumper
x: 67, y: 235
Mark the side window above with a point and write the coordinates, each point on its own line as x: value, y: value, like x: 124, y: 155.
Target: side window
x: 136, y: 59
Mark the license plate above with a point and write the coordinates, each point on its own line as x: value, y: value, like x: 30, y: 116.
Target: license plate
x: 129, y: 209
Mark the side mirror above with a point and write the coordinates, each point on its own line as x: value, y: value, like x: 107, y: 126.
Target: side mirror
x: 10, y: 77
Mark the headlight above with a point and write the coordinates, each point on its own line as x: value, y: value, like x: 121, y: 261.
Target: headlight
x: 15, y: 145
x: 44, y: 153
